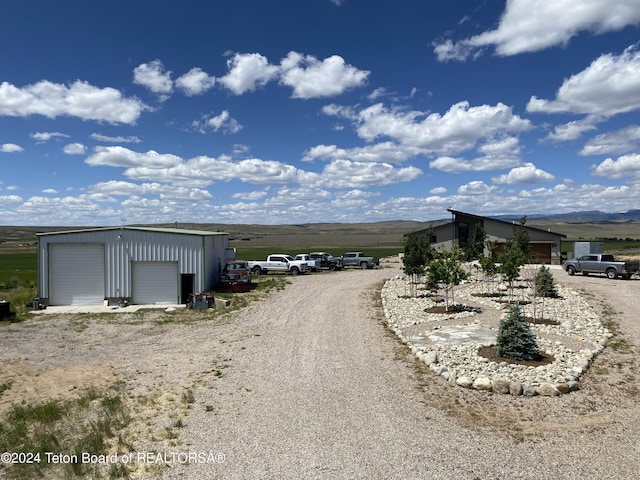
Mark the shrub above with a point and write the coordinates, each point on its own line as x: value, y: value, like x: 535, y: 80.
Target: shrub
x: 515, y: 339
x: 546, y: 284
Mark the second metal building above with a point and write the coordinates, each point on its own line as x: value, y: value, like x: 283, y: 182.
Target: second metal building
x: 138, y: 264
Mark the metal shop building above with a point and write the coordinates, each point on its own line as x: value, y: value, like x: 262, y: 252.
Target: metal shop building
x: 138, y: 264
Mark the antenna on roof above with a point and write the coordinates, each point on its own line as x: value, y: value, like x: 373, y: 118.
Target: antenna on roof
x: 123, y: 220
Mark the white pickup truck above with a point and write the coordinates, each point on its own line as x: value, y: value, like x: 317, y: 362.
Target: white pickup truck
x: 313, y: 263
x: 278, y: 262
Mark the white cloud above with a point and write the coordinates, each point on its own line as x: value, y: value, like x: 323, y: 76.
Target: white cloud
x: 224, y: 122
x: 50, y: 190
x: 528, y: 173
x: 572, y: 130
x: 380, y: 152
x: 105, y: 138
x: 607, y: 87
x: 10, y: 148
x: 152, y: 76
x: 75, y: 149
x: 459, y: 129
x: 625, y: 166
x: 614, y: 143
x: 438, y: 191
x: 251, y: 196
x: 312, y: 78
x: 123, y: 157
x: 42, y: 137
x: 247, y: 72
x: 80, y: 99
x: 533, y: 25
x: 475, y: 187
x: 195, y: 82
x: 348, y: 174
x: 479, y: 164
x: 6, y: 199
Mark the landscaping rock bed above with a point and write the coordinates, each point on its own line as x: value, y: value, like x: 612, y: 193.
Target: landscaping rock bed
x: 571, y: 335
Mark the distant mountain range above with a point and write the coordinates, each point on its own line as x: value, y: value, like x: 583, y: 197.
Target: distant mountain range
x: 591, y: 216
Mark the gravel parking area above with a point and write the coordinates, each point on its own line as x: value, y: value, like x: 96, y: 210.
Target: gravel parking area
x: 312, y: 384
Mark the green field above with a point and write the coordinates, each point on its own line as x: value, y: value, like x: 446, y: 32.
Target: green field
x: 22, y: 266
x: 18, y: 258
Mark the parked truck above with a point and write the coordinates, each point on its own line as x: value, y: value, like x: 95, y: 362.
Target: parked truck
x: 278, y: 262
x: 313, y: 264
x: 327, y: 260
x: 358, y: 259
x: 601, y: 263
x: 236, y: 276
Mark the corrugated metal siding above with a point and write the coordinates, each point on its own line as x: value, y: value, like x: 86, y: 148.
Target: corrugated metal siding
x: 196, y: 254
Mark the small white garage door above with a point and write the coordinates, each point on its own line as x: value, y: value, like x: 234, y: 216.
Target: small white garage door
x: 154, y: 283
x: 76, y: 274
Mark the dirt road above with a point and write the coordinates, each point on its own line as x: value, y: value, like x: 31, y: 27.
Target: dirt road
x: 319, y: 389
x: 310, y: 384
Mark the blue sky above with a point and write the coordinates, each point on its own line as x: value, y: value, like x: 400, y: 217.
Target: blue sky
x: 292, y: 111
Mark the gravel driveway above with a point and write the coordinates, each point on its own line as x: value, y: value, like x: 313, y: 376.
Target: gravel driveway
x: 311, y: 384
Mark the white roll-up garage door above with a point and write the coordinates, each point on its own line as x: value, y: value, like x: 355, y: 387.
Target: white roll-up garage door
x: 154, y: 283
x: 76, y: 274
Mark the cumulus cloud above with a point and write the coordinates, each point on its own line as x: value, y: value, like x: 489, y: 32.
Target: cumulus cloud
x: 119, y: 139
x: 625, y: 166
x: 607, y: 87
x: 75, y: 149
x: 312, y: 78
x: 195, y: 82
x: 247, y: 72
x: 224, y: 122
x: 10, y: 148
x: 308, y: 76
x: 41, y: 137
x: 152, y: 75
x: 458, y: 130
x: 614, y: 143
x: 479, y: 164
x: 572, y: 130
x: 475, y: 187
x: 348, y: 174
x: 251, y: 196
x: 80, y: 99
x: 533, y: 25
x: 528, y: 173
x: 123, y: 157
x: 380, y: 152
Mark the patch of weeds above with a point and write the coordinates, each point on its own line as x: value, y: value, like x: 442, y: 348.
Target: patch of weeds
x: 4, y: 387
x: 617, y: 342
x: 90, y: 423
x: 188, y: 397
x: 208, y: 408
x: 599, y: 370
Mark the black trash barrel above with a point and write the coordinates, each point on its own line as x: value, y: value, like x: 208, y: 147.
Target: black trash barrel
x: 5, y: 309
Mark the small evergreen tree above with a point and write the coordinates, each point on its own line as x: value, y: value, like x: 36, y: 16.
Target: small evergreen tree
x: 546, y: 284
x: 475, y: 249
x: 515, y: 339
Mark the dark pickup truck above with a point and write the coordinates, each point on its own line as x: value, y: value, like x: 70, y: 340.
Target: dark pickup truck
x: 599, y: 263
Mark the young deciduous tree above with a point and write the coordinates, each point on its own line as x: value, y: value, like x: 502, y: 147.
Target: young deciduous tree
x: 418, y: 252
x: 447, y: 271
x: 516, y: 252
